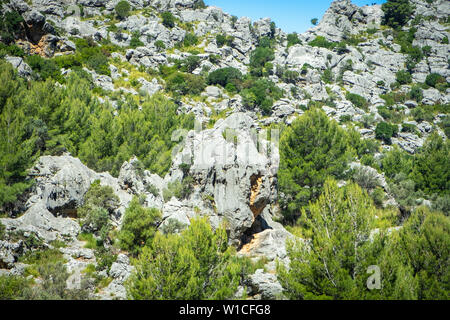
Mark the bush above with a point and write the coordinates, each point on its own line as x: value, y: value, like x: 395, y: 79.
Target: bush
x: 396, y: 12
x: 358, y: 101
x: 366, y: 178
x: 221, y: 40
x: 14, y: 287
x: 168, y: 20
x: 262, y: 93
x: 160, y: 45
x: 403, y: 77
x: 385, y: 131
x: 182, y: 83
x: 322, y: 42
x: 99, y: 202
x: 123, y: 9
x: 433, y: 79
x: 416, y: 93
x: 135, y: 41
x: 225, y: 76
x: 431, y: 169
x: 292, y: 39
x: 45, y: 68
x: 139, y: 227
x: 190, y: 39
x: 260, y: 56
x: 201, y: 260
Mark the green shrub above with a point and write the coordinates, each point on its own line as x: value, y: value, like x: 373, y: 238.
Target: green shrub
x: 14, y: 287
x: 322, y: 42
x: 358, y: 101
x: 204, y: 266
x: 182, y: 83
x: 396, y: 12
x: 407, y: 127
x: 45, y: 68
x: 225, y: 76
x: 292, y: 39
x: 433, y: 79
x: 168, y: 20
x: 262, y: 93
x: 416, y: 93
x: 135, y: 41
x: 431, y: 169
x: 122, y: 9
x: 159, y: 44
x: 385, y: 131
x: 221, y: 40
x: 327, y: 76
x: 190, y: 40
x: 99, y: 203
x: 139, y: 226
x: 403, y: 77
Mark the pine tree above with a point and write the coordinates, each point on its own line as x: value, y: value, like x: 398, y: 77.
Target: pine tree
x: 332, y: 264
x: 195, y: 265
x: 310, y: 150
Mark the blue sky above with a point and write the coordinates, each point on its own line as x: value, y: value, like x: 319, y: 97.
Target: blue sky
x: 289, y: 15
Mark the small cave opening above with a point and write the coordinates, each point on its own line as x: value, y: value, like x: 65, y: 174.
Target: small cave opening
x: 69, y: 210
x: 250, y: 235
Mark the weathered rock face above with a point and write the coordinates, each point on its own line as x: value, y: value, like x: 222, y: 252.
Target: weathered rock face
x: 233, y: 179
x: 62, y: 182
x: 343, y: 17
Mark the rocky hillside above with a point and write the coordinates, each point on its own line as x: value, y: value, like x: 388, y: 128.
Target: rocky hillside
x: 230, y: 81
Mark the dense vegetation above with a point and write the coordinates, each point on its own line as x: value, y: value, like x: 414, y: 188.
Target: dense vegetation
x: 44, y: 118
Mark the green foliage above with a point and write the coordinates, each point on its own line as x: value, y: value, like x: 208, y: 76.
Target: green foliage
x: 396, y: 12
x: 199, y: 4
x: 185, y: 83
x: 18, y: 146
x: 13, y: 287
x: 292, y: 39
x: 159, y: 44
x: 416, y: 93
x: 261, y: 93
x: 421, y: 248
x: 322, y: 42
x: 135, y: 41
x: 222, y: 40
x: 45, y: 68
x: 385, y: 131
x: 197, y: 265
x: 312, y: 149
x: 99, y: 203
x: 168, y: 20
x: 333, y: 263
x: 314, y: 21
x: 396, y: 161
x: 190, y: 40
x: 139, y: 227
x: 431, y: 170
x: 403, y: 77
x: 258, y: 59
x: 178, y: 189
x: 225, y: 76
x: 10, y: 26
x: 122, y: 9
x: 358, y: 101
x: 327, y: 76
x: 433, y: 79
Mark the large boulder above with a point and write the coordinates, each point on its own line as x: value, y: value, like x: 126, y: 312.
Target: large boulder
x: 234, y: 172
